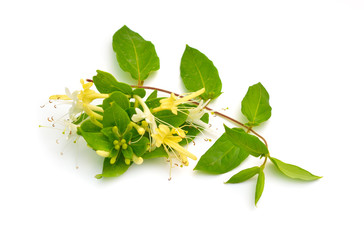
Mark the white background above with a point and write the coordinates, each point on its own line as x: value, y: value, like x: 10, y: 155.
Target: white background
x: 308, y: 54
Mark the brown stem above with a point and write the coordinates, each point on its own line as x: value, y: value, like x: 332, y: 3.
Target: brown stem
x: 140, y: 83
x: 210, y: 109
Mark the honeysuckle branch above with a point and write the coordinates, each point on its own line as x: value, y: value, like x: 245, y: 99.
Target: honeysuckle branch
x: 207, y: 108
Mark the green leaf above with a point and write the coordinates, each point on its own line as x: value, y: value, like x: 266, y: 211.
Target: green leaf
x: 113, y: 170
x: 116, y: 116
x: 249, y: 143
x: 106, y: 83
x: 134, y: 54
x: 197, y: 71
x: 260, y: 185
x: 171, y: 118
x: 153, y: 103
x: 153, y: 95
x: 221, y: 157
x: 140, y: 147
x: 88, y: 126
x: 293, y: 171
x: 244, y: 175
x: 97, y: 140
x: 108, y: 132
x: 118, y: 98
x: 140, y: 92
x: 255, y: 105
x: 156, y: 153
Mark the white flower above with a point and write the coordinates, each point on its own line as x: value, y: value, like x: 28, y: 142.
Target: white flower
x: 76, y: 107
x: 148, y: 116
x: 70, y: 128
x: 140, y: 115
x: 81, y: 102
x: 195, y: 114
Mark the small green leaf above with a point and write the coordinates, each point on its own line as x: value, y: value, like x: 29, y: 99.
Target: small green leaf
x: 113, y: 170
x: 221, y: 157
x: 249, y: 143
x: 154, y: 103
x: 255, y: 105
x: 119, y: 98
x: 108, y: 132
x: 197, y: 71
x: 293, y: 171
x: 116, y: 116
x: 97, y: 140
x: 260, y: 185
x: 134, y: 54
x: 171, y: 118
x: 106, y: 83
x: 244, y: 175
x: 128, y: 152
x: 153, y: 95
x: 140, y: 147
x: 88, y: 126
x: 156, y: 153
x: 140, y: 92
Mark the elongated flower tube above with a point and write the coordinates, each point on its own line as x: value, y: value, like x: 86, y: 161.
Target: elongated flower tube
x: 81, y: 102
x: 164, y: 136
x: 195, y: 115
x: 148, y: 116
x: 172, y: 102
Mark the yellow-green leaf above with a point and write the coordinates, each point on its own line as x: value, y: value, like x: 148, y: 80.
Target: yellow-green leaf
x: 255, y: 105
x: 260, y: 185
x: 244, y: 175
x: 134, y: 54
x: 221, y: 157
x: 197, y: 71
x: 293, y: 171
x: 251, y: 144
x: 107, y: 83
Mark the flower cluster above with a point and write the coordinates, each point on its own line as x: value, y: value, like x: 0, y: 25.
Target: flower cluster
x: 127, y: 129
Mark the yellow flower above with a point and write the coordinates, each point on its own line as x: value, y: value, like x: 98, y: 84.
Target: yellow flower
x: 165, y: 136
x: 172, y: 102
x: 81, y: 101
